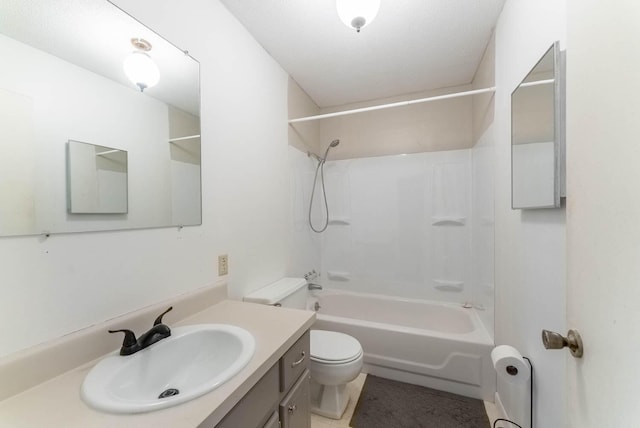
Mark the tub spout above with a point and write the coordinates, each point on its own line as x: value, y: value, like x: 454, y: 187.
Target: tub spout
x: 313, y: 286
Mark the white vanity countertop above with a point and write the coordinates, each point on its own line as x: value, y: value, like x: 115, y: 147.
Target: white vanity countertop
x: 57, y: 403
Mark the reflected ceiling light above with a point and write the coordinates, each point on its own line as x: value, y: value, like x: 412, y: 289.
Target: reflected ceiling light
x: 139, y: 67
x: 357, y: 13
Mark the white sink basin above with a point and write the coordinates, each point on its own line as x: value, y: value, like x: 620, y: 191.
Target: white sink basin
x: 194, y: 360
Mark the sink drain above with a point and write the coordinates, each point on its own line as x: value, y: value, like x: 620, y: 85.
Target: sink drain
x: 169, y: 393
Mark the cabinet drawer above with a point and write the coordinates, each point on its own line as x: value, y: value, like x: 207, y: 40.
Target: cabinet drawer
x: 295, y: 407
x: 294, y: 362
x: 256, y: 407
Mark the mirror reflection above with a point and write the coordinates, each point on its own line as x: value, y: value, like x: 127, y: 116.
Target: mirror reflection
x: 535, y: 149
x: 66, y: 82
x: 96, y: 179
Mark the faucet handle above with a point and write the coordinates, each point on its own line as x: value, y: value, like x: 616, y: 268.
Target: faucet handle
x: 129, y: 337
x: 159, y: 319
x: 130, y: 344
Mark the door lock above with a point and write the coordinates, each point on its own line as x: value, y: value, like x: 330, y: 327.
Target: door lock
x: 573, y: 341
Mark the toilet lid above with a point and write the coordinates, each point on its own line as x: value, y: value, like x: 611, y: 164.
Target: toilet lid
x: 333, y: 347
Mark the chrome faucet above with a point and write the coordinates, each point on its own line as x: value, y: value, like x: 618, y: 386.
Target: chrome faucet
x: 131, y: 345
x: 309, y: 277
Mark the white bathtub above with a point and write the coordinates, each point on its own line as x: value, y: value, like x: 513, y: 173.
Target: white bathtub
x: 438, y: 345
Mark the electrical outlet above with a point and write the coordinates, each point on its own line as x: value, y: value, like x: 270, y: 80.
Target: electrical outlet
x: 223, y: 265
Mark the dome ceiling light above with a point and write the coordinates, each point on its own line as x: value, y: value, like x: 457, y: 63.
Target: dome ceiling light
x: 141, y: 70
x: 357, y: 14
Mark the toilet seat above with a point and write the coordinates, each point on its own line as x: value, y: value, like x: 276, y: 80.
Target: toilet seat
x: 332, y: 347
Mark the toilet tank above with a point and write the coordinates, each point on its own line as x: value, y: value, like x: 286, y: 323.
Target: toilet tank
x: 288, y: 292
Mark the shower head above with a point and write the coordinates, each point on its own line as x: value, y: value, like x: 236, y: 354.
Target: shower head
x: 332, y: 144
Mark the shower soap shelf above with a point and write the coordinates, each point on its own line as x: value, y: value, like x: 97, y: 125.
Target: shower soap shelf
x: 447, y: 285
x: 448, y: 221
x: 339, y: 276
x: 339, y: 221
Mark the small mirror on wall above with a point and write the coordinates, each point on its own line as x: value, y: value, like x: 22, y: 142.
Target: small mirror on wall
x: 537, y: 135
x: 96, y: 179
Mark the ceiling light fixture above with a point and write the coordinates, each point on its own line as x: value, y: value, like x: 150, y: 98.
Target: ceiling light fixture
x: 139, y: 67
x: 357, y: 13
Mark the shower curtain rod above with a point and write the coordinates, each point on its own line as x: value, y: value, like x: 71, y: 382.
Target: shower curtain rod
x: 398, y: 104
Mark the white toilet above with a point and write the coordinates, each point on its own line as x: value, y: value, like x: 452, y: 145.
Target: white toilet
x: 336, y: 358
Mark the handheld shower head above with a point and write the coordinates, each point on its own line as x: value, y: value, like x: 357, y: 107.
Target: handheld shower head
x: 332, y: 144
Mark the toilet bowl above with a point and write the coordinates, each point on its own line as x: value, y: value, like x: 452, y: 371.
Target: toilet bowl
x: 336, y: 358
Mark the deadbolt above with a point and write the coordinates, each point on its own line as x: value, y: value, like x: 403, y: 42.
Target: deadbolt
x: 573, y: 341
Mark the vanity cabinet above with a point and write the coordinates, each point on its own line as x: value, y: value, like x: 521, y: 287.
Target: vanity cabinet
x: 281, y: 396
x: 295, y: 407
x: 274, y: 421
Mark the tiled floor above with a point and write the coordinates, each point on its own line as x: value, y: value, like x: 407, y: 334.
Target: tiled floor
x: 354, y: 388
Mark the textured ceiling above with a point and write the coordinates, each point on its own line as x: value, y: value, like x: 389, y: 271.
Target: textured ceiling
x: 412, y: 45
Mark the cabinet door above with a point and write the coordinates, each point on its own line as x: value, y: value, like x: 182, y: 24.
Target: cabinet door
x: 273, y: 422
x: 256, y: 406
x: 295, y: 407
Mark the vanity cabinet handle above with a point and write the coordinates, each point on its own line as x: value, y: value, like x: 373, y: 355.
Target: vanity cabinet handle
x: 292, y: 408
x: 296, y: 363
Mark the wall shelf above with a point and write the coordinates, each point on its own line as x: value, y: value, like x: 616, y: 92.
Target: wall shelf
x: 189, y: 137
x: 398, y: 104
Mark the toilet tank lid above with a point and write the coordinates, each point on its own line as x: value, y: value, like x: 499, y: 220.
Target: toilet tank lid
x: 275, y: 292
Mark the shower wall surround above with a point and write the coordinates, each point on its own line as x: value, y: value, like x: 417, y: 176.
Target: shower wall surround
x: 483, y: 228
x: 399, y: 225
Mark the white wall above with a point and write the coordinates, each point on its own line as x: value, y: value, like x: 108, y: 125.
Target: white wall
x: 66, y: 282
x: 530, y: 245
x: 305, y: 244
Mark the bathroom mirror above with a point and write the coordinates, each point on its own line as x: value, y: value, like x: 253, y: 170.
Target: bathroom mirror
x: 537, y: 135
x: 62, y: 82
x: 96, y: 179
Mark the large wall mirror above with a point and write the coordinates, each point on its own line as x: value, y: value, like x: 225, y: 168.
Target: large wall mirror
x: 537, y: 135
x: 64, y: 96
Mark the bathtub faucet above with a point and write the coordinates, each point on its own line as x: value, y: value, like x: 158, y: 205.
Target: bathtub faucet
x: 313, y: 286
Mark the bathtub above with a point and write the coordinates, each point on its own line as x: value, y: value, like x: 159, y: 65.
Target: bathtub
x: 437, y: 345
